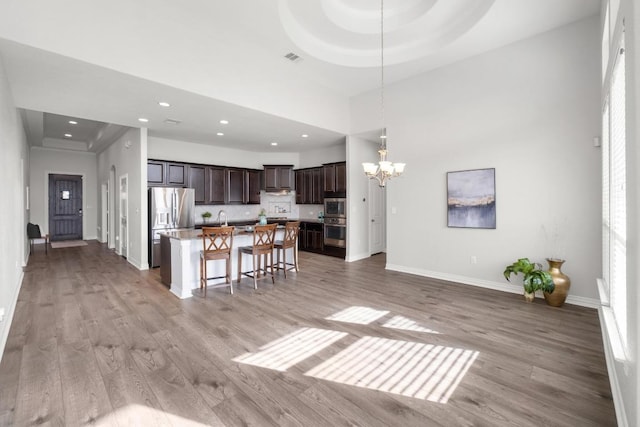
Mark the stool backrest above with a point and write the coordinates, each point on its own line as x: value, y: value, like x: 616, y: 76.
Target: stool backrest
x: 264, y: 236
x: 291, y: 231
x: 217, y: 240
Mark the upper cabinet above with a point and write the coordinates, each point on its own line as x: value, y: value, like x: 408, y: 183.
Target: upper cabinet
x: 177, y: 174
x: 213, y: 185
x: 170, y: 174
x: 156, y: 171
x: 309, y: 186
x: 335, y: 177
x: 278, y: 177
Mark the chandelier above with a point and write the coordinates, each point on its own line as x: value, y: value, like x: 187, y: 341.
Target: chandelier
x: 384, y: 170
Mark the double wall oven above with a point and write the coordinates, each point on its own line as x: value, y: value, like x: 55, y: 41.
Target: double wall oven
x: 335, y: 222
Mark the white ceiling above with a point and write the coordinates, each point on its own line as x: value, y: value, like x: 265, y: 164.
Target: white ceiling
x: 113, y: 61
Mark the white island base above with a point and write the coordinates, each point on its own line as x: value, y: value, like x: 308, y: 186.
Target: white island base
x: 185, y: 260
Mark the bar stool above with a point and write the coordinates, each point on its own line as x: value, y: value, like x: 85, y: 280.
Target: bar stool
x: 216, y: 245
x: 263, y: 239
x: 290, y: 241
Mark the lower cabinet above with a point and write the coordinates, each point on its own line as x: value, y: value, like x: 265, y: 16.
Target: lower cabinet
x: 311, y: 237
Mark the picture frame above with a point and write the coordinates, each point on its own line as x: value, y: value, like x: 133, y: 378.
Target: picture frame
x: 471, y: 198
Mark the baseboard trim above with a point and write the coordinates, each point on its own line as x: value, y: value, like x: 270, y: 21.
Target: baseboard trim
x: 487, y: 284
x: 357, y: 257
x: 618, y: 401
x: 9, y: 315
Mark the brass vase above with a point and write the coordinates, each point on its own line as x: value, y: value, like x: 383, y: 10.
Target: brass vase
x: 561, y: 282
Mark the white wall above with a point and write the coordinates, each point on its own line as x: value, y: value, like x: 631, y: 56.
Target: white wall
x: 14, y: 173
x: 335, y: 153
x: 530, y: 110
x: 182, y: 151
x: 45, y: 161
x: 128, y: 155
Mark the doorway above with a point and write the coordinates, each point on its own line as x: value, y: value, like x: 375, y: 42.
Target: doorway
x: 65, y: 207
x: 377, y: 218
x: 124, y: 235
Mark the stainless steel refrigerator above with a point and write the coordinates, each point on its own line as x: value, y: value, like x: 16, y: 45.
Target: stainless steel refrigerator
x: 170, y: 209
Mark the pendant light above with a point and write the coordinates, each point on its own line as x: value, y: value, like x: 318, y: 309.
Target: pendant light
x: 384, y: 170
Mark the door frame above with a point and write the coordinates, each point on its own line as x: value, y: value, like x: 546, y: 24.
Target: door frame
x: 373, y: 186
x: 46, y: 199
x: 104, y: 223
x: 123, y: 196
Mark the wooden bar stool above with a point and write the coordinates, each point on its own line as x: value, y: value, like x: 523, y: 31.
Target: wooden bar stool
x: 216, y: 245
x: 290, y: 241
x: 263, y: 239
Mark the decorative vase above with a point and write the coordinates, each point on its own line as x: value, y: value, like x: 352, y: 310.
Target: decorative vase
x: 263, y: 219
x: 529, y: 296
x: 561, y: 282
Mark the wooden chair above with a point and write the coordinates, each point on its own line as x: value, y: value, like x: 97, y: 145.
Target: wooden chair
x: 290, y: 241
x: 216, y: 246
x: 33, y: 233
x: 263, y: 240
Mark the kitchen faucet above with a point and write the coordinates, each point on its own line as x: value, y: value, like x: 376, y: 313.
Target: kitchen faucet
x: 220, y: 215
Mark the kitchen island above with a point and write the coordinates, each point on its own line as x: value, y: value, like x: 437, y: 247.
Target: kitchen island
x: 185, y: 247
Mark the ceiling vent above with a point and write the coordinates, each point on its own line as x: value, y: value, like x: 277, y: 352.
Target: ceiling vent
x: 293, y: 57
x: 172, y: 121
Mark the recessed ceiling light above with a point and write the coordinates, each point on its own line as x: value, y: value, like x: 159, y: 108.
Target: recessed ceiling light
x: 304, y: 135
x: 73, y: 122
x: 68, y: 135
x: 274, y: 143
x: 220, y: 134
x: 164, y: 104
x: 224, y: 122
x: 143, y: 120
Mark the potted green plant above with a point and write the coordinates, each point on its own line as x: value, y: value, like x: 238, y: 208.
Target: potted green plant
x: 534, y: 278
x: 262, y: 217
x: 205, y: 216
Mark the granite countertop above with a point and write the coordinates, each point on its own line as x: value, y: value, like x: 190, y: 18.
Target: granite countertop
x: 197, y: 234
x: 255, y: 222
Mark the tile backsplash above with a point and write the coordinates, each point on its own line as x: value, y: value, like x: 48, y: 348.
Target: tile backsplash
x: 274, y: 204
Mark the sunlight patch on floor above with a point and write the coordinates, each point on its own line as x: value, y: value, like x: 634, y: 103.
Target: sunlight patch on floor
x: 291, y: 349
x: 139, y: 415
x: 401, y: 322
x: 412, y: 369
x: 358, y: 315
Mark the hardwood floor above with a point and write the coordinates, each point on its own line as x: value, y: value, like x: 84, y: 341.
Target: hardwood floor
x: 94, y: 340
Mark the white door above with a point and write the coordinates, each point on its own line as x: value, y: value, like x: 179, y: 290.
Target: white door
x: 124, y: 236
x: 377, y: 219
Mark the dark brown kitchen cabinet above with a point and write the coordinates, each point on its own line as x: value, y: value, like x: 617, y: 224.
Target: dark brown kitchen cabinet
x: 198, y: 181
x: 278, y: 177
x: 335, y: 177
x: 252, y: 193
x: 299, y: 174
x: 155, y: 172
x: 317, y: 186
x: 309, y: 186
x: 311, y: 237
x: 215, y: 186
x: 235, y: 179
x: 242, y: 186
x: 177, y: 174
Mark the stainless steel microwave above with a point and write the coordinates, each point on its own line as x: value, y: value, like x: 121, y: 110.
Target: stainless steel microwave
x: 335, y: 207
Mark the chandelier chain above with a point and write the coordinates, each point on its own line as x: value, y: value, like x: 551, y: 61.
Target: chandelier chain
x: 384, y: 131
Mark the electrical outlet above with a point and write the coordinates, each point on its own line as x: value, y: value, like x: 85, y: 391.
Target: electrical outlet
x: 1, y: 314
x: 474, y: 259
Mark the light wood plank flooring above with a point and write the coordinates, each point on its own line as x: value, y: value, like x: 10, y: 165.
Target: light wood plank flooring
x: 95, y: 341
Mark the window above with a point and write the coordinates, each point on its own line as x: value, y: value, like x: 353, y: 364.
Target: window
x: 614, y: 199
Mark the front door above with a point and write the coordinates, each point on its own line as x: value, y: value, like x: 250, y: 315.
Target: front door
x: 65, y: 207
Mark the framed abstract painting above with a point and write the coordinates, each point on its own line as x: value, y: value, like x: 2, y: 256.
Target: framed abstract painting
x: 471, y: 198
